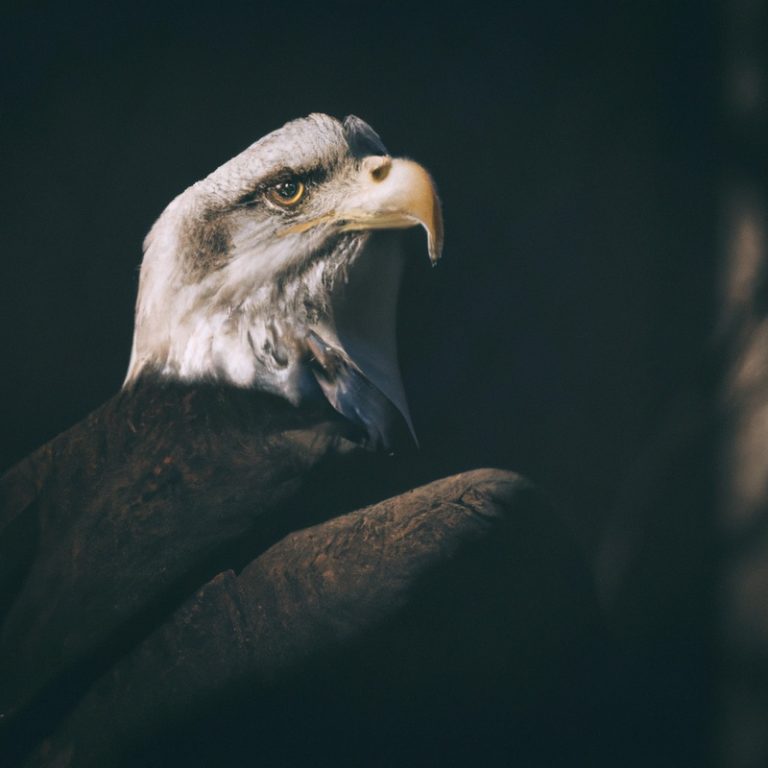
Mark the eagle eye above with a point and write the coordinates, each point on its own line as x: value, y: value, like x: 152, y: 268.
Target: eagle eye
x: 287, y: 193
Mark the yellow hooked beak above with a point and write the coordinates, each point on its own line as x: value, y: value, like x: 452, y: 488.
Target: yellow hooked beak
x: 390, y: 194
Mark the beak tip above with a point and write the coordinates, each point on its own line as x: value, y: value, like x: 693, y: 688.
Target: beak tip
x: 435, y: 237
x: 435, y: 252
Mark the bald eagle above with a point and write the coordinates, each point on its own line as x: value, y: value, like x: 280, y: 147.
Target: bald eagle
x: 264, y: 349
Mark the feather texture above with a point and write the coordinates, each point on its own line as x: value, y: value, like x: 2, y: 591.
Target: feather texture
x: 232, y: 285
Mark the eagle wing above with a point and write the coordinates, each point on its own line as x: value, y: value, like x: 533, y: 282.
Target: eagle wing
x: 129, y: 511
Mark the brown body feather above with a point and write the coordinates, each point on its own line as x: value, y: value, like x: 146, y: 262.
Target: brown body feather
x: 127, y: 512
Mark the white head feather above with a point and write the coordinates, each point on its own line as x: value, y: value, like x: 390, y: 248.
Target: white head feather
x: 234, y: 283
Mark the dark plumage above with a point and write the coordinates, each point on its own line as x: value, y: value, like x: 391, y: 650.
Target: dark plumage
x: 123, y: 514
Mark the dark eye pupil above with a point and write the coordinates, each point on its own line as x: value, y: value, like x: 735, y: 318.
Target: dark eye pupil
x: 287, y: 189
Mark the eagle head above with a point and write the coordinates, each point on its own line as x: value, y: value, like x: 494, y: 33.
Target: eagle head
x: 280, y: 272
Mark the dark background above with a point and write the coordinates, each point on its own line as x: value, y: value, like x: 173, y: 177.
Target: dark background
x: 580, y: 150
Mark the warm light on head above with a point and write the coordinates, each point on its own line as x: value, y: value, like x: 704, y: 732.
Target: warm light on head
x: 280, y: 246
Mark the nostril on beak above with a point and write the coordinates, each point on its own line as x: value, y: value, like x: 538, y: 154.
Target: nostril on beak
x: 378, y: 166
